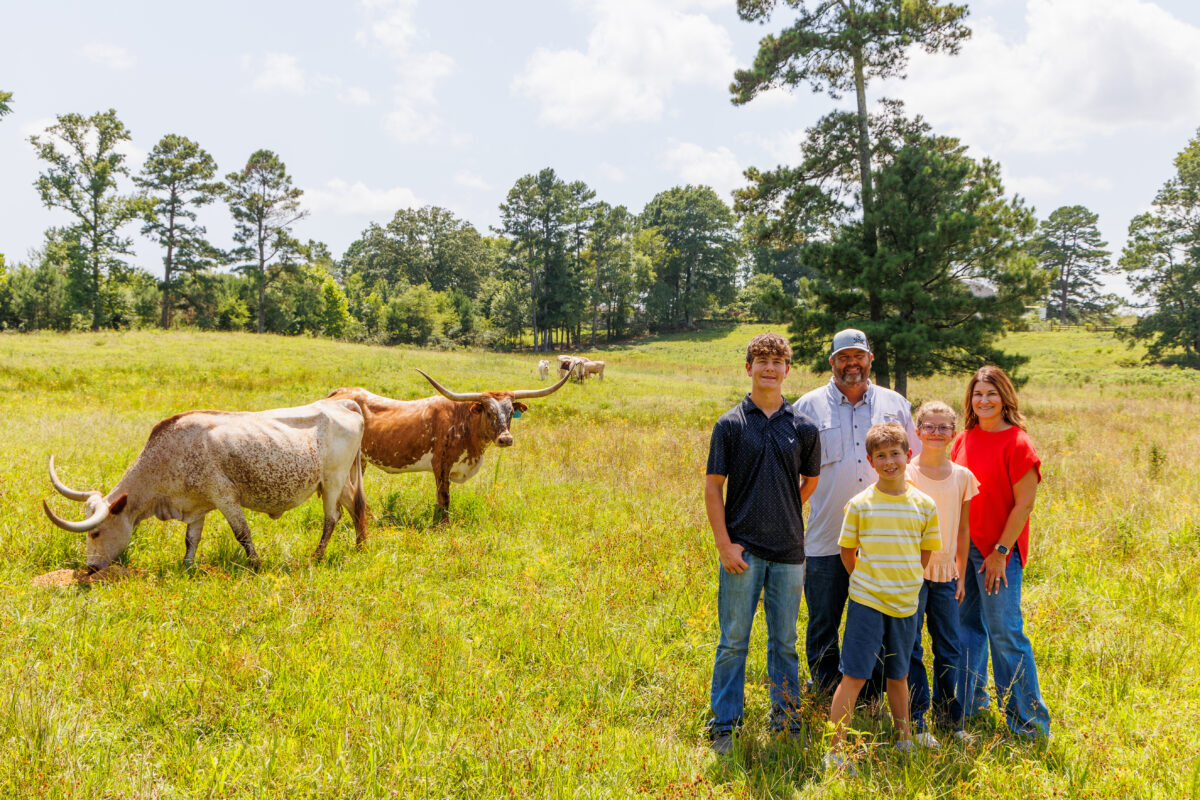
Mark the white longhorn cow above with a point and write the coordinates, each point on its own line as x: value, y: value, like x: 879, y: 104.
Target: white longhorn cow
x: 268, y: 461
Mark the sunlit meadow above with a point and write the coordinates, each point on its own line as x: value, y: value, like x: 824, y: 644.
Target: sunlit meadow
x: 555, y: 638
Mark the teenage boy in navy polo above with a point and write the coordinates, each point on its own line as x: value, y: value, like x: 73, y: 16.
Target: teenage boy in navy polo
x: 770, y: 455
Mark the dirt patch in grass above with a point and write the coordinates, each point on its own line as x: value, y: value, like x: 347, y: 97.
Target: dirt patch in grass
x: 69, y: 577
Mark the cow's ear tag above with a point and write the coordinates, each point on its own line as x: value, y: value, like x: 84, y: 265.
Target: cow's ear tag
x: 516, y: 415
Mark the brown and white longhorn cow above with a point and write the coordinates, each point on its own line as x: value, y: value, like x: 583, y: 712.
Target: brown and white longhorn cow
x: 268, y: 461
x: 446, y: 435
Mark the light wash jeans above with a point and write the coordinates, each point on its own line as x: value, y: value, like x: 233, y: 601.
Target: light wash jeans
x: 995, y: 620
x: 781, y: 587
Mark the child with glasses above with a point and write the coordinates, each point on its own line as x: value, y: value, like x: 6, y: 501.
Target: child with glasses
x: 951, y: 486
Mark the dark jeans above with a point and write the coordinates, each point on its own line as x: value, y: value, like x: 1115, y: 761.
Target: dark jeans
x: 938, y: 605
x: 826, y: 587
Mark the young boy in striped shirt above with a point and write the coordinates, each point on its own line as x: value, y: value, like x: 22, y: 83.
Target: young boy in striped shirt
x: 889, y: 533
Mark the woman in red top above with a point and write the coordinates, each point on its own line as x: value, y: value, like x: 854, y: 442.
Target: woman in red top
x: 995, y: 447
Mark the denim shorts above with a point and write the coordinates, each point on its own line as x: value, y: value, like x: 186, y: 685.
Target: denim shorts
x: 866, y: 631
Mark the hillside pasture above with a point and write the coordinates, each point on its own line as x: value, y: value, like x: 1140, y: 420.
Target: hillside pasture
x: 555, y: 638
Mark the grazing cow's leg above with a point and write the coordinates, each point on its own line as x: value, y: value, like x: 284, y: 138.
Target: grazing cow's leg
x: 329, y: 499
x: 441, y: 473
x: 354, y: 501
x: 194, y: 530
x: 241, y: 531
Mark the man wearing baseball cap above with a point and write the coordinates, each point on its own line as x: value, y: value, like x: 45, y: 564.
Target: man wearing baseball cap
x: 843, y: 410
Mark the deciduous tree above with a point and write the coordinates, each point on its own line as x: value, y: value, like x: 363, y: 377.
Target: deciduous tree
x: 1162, y: 260
x: 178, y: 177
x: 265, y: 205
x: 702, y: 250
x: 84, y: 165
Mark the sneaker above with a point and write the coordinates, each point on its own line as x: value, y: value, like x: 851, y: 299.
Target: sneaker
x: 964, y: 738
x: 905, y: 747
x: 925, y: 739
x: 722, y: 743
x: 835, y: 762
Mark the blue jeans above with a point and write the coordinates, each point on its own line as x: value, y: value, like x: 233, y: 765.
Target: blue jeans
x: 995, y: 620
x: 937, y: 604
x: 781, y: 587
x: 826, y: 588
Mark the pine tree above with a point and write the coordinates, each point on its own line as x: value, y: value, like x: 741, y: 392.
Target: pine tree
x: 177, y: 177
x: 1070, y: 249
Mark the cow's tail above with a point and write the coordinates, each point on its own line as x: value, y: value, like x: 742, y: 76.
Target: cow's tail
x: 360, y: 500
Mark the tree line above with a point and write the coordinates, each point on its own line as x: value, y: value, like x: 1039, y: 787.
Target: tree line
x: 883, y: 224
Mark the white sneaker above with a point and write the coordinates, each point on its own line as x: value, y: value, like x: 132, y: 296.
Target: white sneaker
x: 925, y: 739
x: 962, y: 737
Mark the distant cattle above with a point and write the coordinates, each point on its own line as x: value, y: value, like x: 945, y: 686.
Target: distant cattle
x: 446, y: 435
x: 543, y: 369
x: 571, y: 365
x: 594, y: 368
x: 198, y: 461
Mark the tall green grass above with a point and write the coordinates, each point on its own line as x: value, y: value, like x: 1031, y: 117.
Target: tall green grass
x: 555, y: 638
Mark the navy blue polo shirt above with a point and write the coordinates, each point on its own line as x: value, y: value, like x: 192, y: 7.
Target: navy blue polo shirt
x: 763, y: 460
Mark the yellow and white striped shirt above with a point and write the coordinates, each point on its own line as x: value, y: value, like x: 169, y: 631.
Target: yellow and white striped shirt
x: 890, y: 531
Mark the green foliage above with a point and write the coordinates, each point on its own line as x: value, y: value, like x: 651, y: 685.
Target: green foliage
x: 5, y: 99
x: 265, y: 206
x: 835, y: 46
x: 1162, y: 260
x: 335, y: 309
x: 412, y: 316
x: 427, y: 245
x: 765, y: 299
x: 701, y: 248
x: 84, y: 165
x: 178, y: 177
x: 1069, y: 248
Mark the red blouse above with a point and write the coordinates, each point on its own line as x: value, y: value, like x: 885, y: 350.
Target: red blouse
x: 998, y: 460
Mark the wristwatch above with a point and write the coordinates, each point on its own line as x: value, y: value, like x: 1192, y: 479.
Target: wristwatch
x: 1002, y: 550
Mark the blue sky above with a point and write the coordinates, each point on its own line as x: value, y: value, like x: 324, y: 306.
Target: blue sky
x: 383, y: 104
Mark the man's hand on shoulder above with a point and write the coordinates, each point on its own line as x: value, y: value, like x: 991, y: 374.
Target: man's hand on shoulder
x: 731, y: 558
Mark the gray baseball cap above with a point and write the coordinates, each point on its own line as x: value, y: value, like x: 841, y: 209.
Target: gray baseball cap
x: 851, y: 338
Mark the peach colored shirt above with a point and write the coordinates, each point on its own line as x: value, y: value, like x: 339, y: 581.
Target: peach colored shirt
x: 948, y: 494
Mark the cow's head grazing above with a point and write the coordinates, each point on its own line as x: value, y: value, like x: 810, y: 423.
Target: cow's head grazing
x: 107, y: 526
x: 496, y: 408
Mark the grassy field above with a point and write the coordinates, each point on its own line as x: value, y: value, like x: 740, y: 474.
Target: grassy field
x: 555, y: 638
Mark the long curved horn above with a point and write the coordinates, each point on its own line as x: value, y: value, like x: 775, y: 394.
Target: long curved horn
x: 525, y: 394
x: 63, y: 489
x: 78, y: 527
x: 461, y: 398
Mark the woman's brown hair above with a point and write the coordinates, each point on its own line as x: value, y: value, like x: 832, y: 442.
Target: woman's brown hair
x: 1008, y: 397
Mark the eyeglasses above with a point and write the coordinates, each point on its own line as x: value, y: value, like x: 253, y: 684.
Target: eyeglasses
x: 937, y: 428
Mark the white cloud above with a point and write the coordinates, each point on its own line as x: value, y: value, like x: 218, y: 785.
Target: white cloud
x: 719, y: 169
x: 340, y: 198
x: 279, y: 72
x: 355, y: 96
x: 1085, y: 68
x: 611, y: 172
x: 637, y: 52
x: 784, y: 147
x: 470, y: 180
x: 109, y: 55
x: 391, y: 28
x: 1032, y: 187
